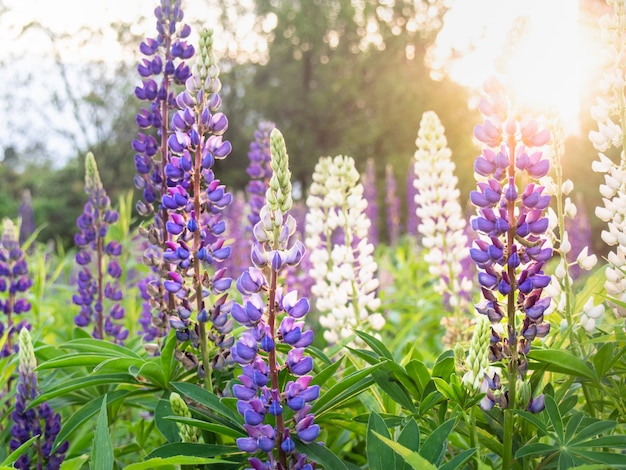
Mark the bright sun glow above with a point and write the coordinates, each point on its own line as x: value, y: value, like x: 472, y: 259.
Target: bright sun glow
x: 538, y: 47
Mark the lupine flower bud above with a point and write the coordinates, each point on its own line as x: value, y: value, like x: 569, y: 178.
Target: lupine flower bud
x: 179, y: 407
x: 38, y: 421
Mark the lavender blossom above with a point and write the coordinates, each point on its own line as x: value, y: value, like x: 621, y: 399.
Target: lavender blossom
x: 27, y: 217
x: 97, y: 261
x: 370, y: 193
x: 14, y: 285
x: 392, y: 203
x: 511, y: 248
x: 342, y: 261
x: 413, y: 221
x: 273, y: 414
x: 235, y: 215
x: 163, y: 67
x: 39, y: 421
x: 194, y: 201
x: 259, y: 170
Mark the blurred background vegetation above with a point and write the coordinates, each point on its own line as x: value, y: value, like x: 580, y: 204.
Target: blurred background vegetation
x: 329, y: 84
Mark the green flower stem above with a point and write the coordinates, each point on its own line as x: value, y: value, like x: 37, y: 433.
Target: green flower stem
x: 197, y: 276
x: 507, y: 455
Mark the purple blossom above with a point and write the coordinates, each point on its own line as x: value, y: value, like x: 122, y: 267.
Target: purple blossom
x: 27, y: 217
x: 511, y: 248
x: 39, y: 421
x: 196, y: 248
x: 273, y: 316
x: 259, y: 170
x: 15, y: 283
x: 413, y: 220
x: 100, y: 272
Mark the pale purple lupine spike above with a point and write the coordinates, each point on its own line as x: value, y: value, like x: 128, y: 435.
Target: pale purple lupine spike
x: 196, y: 249
x: 259, y: 170
x: 15, y: 283
x: 40, y: 420
x: 264, y: 303
x: 99, y: 287
x: 392, y: 203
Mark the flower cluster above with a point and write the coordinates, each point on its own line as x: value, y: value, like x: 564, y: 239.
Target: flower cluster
x: 39, y: 421
x: 442, y: 223
x: 163, y: 66
x: 14, y: 284
x: 392, y: 203
x: 261, y: 399
x: 259, y: 170
x: 610, y: 113
x: 342, y: 261
x: 194, y: 201
x: 94, y: 254
x: 511, y: 248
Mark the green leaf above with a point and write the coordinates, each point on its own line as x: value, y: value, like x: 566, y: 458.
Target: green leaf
x: 101, y: 447
x: 83, y: 414
x: 167, y: 428
x: 100, y: 346
x: 377, y: 345
x: 211, y: 401
x: 535, y: 449
x: 562, y: 361
x: 168, y: 362
x: 80, y: 383
x: 566, y: 461
x: 418, y: 371
x: 444, y: 366
x: 555, y: 418
x: 413, y: 459
x: 178, y: 460
x: 191, y: 450
x: 320, y: 454
x: 591, y: 430
x: 379, y: 455
x: 329, y: 372
x: 394, y: 389
x: 75, y: 360
x: 603, y: 359
x: 607, y: 458
x: 617, y: 441
x: 430, y: 400
x: 572, y: 425
x: 21, y: 450
x: 458, y: 460
x: 74, y: 464
x: 410, y: 436
x: 535, y: 421
x: 434, y: 447
x: 344, y: 390
x: 216, y: 428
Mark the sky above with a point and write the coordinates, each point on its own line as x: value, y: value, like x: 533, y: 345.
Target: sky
x: 548, y: 64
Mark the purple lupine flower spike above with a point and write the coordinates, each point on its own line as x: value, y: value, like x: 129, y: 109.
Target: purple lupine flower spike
x: 14, y: 285
x: 162, y: 68
x: 100, y: 271
x: 27, y: 217
x: 273, y: 316
x: 413, y: 221
x: 512, y: 247
x: 195, y: 227
x: 39, y: 421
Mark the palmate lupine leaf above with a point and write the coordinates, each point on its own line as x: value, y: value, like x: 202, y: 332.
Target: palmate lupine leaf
x: 380, y: 456
x: 558, y: 360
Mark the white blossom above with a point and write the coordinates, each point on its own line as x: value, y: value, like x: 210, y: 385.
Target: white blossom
x: 342, y: 261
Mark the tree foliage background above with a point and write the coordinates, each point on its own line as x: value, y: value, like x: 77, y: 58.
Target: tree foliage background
x: 338, y: 77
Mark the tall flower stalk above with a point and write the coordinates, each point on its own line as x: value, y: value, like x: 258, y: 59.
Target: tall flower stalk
x: 162, y: 68
x: 370, y: 193
x: 195, y: 200
x: 442, y: 224
x: 511, y: 249
x: 99, y: 291
x: 39, y: 421
x: 271, y: 412
x: 15, y: 283
x: 341, y: 255
x: 259, y: 170
x: 610, y: 114
x: 392, y: 203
